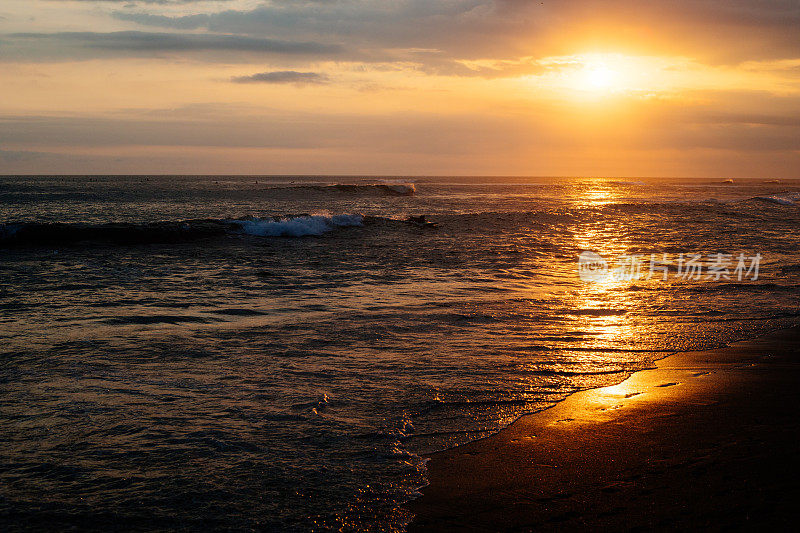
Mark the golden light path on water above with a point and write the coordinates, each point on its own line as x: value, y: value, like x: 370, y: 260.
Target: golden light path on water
x: 609, y: 240
x: 604, y: 314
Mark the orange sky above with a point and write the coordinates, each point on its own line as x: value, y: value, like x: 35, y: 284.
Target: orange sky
x: 461, y: 87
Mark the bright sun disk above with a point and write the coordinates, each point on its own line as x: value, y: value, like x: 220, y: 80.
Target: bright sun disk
x: 599, y: 77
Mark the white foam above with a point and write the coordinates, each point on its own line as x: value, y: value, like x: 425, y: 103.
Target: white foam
x: 298, y: 226
x: 780, y: 200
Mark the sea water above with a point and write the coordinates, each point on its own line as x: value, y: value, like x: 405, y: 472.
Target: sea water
x: 278, y: 353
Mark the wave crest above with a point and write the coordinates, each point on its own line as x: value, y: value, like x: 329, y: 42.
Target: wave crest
x: 779, y: 200
x: 36, y: 233
x: 300, y: 226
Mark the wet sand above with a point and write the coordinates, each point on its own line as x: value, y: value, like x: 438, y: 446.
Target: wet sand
x: 707, y: 440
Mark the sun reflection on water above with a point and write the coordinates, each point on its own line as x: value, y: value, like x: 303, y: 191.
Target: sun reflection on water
x: 603, y: 305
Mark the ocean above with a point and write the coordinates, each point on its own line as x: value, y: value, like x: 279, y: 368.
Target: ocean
x: 279, y: 353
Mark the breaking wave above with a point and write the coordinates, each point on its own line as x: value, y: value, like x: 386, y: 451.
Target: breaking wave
x: 299, y: 226
x: 14, y: 234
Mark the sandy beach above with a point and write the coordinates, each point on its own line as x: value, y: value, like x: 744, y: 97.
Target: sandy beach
x: 707, y: 440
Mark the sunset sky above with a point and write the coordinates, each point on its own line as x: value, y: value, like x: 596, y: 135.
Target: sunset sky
x: 706, y: 88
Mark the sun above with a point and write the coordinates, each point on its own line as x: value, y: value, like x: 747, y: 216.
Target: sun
x: 599, y: 77
x: 593, y: 75
x: 614, y: 76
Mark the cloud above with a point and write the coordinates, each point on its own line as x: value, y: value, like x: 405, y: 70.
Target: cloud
x: 236, y: 132
x: 477, y: 126
x: 186, y: 22
x: 16, y: 156
x: 735, y: 119
x: 718, y: 30
x: 283, y: 76
x: 365, y: 23
x: 207, y: 139
x: 159, y: 2
x: 773, y: 127
x: 91, y: 45
x: 438, y: 35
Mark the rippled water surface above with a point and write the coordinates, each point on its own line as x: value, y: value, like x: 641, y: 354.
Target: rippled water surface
x: 276, y: 354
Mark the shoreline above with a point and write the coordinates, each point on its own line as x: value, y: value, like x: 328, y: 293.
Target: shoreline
x: 705, y: 439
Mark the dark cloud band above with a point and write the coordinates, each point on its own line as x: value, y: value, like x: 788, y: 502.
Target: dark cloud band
x: 72, y: 46
x: 724, y: 30
x: 134, y: 40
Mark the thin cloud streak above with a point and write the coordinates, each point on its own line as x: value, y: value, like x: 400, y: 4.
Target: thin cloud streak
x: 283, y: 76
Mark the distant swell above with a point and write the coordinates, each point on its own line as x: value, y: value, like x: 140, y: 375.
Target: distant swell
x: 387, y: 188
x: 20, y: 234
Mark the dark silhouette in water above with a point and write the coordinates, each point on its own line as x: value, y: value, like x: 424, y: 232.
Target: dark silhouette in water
x: 421, y: 221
